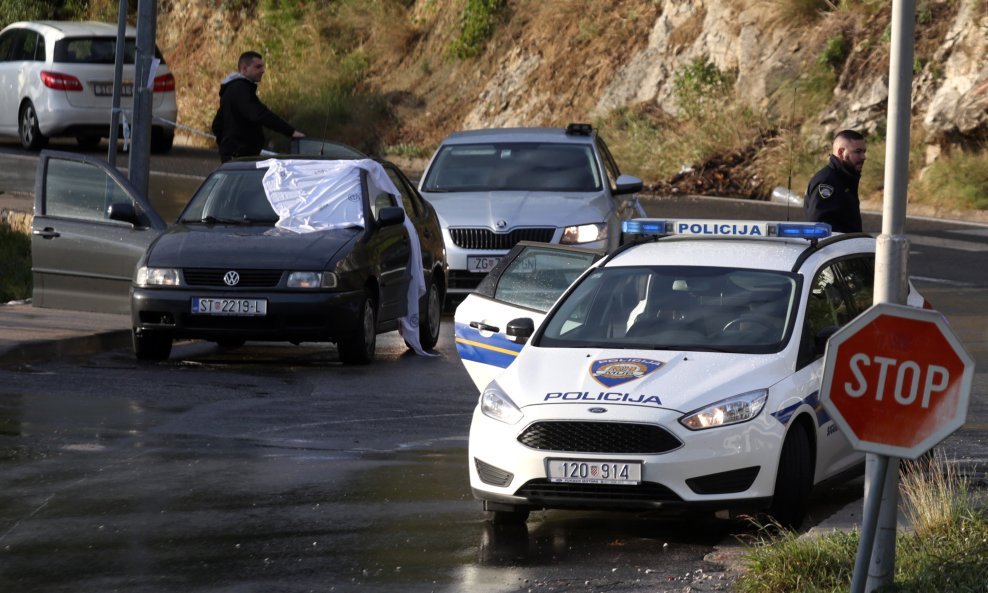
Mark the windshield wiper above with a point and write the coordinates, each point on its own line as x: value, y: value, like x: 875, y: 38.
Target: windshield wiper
x: 213, y: 220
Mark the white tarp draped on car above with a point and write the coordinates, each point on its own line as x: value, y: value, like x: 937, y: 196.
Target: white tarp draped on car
x: 313, y: 195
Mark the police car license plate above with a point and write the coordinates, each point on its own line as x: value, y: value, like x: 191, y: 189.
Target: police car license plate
x: 577, y: 471
x: 105, y: 89
x: 245, y: 307
x: 482, y: 263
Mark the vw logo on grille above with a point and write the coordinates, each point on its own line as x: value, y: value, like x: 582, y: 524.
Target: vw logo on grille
x: 597, y: 410
x: 231, y: 278
x: 501, y: 224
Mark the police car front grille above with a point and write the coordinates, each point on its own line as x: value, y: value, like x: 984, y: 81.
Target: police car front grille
x: 480, y: 238
x: 646, y: 492
x: 599, y: 437
x: 492, y: 475
x: 248, y: 278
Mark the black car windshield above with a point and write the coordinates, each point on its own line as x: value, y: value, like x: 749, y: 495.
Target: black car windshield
x: 234, y: 196
x: 676, y: 308
x: 514, y: 166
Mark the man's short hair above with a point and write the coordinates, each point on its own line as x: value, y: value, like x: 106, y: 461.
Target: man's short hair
x: 848, y: 135
x: 247, y: 57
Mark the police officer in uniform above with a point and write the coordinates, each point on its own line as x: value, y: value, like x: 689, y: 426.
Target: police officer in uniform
x: 832, y: 195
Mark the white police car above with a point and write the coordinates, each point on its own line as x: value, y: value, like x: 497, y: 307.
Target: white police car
x: 679, y: 371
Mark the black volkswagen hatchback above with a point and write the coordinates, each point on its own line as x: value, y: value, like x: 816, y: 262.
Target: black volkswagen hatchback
x: 224, y: 271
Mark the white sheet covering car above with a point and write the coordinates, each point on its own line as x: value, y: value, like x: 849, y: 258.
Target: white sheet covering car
x: 493, y: 188
x: 677, y: 372
x: 56, y: 79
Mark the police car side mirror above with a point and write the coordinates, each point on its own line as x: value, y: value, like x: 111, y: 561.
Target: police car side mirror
x: 519, y: 330
x: 820, y: 339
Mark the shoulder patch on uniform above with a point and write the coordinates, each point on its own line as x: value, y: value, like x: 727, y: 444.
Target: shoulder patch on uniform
x: 825, y: 190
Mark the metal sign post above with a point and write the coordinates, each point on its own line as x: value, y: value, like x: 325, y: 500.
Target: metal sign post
x: 140, y: 157
x: 892, y: 260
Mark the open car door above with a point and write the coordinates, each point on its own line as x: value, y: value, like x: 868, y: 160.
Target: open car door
x: 524, y: 285
x: 90, y: 228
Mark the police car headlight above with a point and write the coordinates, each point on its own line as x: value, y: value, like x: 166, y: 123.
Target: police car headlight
x: 157, y: 277
x: 494, y: 403
x: 733, y: 410
x: 312, y: 280
x: 584, y: 233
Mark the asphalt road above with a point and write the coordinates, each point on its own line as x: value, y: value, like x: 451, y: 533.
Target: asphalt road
x: 273, y: 468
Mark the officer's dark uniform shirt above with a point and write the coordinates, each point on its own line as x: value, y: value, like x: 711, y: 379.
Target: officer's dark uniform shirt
x: 832, y: 197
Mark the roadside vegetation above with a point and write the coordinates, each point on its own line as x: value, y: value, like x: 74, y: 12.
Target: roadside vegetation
x: 945, y: 549
x: 15, y: 265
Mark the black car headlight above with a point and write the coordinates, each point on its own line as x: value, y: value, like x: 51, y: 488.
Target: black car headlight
x: 733, y: 410
x: 158, y: 277
x: 312, y: 280
x: 584, y: 233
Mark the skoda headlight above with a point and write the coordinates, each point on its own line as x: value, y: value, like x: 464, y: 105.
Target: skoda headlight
x: 158, y: 276
x: 312, y: 280
x: 494, y: 403
x: 733, y: 410
x: 584, y: 233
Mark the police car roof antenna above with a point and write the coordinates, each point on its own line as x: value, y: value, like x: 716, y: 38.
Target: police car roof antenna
x: 792, y: 140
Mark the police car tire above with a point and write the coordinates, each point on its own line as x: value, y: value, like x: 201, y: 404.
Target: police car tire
x: 430, y: 315
x: 515, y: 517
x: 359, y: 347
x: 151, y: 346
x: 794, y: 479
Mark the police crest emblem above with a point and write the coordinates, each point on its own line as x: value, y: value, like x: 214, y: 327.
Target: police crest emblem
x: 826, y: 190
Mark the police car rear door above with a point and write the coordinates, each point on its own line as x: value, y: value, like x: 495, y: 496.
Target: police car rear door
x: 524, y: 285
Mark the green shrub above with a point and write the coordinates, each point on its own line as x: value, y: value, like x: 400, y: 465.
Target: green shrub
x: 955, y: 181
x: 700, y: 86
x: 477, y: 24
x: 15, y: 265
x: 835, y: 52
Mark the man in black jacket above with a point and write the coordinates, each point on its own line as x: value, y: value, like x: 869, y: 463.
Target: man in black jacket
x: 238, y: 125
x: 832, y: 195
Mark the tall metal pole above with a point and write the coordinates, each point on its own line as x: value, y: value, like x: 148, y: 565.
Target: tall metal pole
x: 111, y: 156
x: 140, y: 159
x: 892, y: 263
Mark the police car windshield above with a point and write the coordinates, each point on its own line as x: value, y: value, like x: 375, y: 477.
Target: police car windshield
x: 676, y: 308
x: 513, y: 166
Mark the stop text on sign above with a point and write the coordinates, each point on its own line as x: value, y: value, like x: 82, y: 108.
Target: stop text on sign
x: 911, y: 379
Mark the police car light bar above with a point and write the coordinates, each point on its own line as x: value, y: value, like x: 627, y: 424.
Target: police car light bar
x: 727, y: 228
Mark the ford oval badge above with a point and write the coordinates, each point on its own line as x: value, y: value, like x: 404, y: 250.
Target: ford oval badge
x: 597, y: 410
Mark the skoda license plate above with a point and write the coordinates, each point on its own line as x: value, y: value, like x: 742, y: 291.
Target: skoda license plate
x: 211, y: 306
x: 578, y: 471
x: 482, y: 263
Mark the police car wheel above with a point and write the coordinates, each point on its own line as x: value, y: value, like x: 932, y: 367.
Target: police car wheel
x: 794, y: 480
x: 515, y: 517
x: 359, y: 347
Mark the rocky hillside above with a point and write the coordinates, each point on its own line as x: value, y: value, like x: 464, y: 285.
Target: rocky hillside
x: 548, y: 62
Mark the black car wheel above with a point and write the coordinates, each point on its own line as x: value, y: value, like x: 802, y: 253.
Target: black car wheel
x: 152, y: 346
x: 794, y: 480
x: 430, y: 315
x: 358, y: 347
x: 30, y: 133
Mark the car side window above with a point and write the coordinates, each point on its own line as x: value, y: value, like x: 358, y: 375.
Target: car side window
x: 610, y: 165
x: 382, y: 200
x: 859, y: 278
x: 7, y: 45
x: 80, y: 191
x: 408, y: 197
x: 537, y: 277
x: 29, y: 48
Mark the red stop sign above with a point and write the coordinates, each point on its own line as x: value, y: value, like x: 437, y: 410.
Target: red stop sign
x: 896, y: 380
